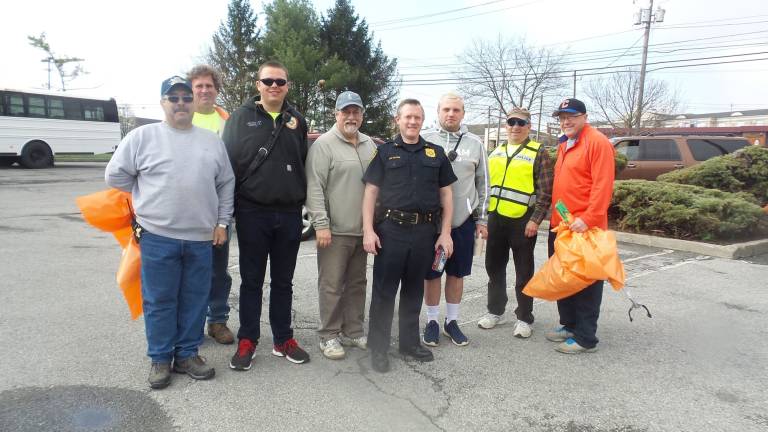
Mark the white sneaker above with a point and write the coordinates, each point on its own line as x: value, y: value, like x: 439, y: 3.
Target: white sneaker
x: 522, y: 330
x: 332, y: 349
x: 489, y: 321
x: 359, y: 342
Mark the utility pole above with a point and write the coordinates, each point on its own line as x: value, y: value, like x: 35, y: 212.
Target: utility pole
x: 48, y: 61
x: 541, y: 111
x: 488, y: 131
x: 574, y: 83
x: 647, y: 17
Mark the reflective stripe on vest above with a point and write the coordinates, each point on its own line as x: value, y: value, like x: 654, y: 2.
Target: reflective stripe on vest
x: 511, y: 181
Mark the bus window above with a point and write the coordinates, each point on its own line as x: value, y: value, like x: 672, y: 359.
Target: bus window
x: 15, y: 105
x: 36, y: 106
x: 93, y: 112
x: 55, y: 108
x: 72, y: 110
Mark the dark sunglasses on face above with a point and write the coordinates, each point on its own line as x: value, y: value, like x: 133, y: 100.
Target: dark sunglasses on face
x: 269, y: 81
x: 175, y: 99
x: 516, y: 122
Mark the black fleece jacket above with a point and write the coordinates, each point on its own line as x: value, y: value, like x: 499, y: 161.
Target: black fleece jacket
x: 280, y: 183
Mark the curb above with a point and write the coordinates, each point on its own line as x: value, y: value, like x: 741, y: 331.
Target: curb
x: 731, y: 251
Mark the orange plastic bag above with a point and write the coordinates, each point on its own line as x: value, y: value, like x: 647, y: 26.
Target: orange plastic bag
x: 110, y: 211
x: 579, y: 260
x: 129, y: 277
x: 107, y: 210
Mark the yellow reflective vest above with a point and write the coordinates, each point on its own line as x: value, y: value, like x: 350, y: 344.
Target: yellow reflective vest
x: 511, y: 179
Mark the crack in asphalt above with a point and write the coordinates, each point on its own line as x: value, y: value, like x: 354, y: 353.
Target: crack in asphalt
x: 377, y: 387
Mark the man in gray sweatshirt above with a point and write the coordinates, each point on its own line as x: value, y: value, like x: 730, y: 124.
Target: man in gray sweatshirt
x: 182, y: 186
x: 335, y: 167
x: 466, y: 152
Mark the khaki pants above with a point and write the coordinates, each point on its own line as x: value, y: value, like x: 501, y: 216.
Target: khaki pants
x: 341, y: 287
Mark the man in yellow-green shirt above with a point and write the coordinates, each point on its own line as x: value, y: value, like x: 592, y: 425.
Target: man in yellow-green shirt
x: 206, y: 84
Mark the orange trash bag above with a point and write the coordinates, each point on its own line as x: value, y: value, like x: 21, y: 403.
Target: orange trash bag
x: 111, y: 211
x: 107, y: 210
x: 579, y: 260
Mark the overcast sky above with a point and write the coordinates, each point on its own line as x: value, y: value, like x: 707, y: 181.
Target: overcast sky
x: 130, y: 47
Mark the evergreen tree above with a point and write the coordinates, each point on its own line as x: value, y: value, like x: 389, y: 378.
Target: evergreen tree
x: 371, y: 73
x: 235, y: 53
x: 292, y: 37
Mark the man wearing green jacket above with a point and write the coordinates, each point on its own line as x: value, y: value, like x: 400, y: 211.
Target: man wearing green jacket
x: 335, y: 167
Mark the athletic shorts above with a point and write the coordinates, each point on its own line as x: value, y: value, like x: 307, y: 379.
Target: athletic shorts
x: 460, y: 263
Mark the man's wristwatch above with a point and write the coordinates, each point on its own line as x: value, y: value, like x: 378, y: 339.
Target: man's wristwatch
x: 221, y: 226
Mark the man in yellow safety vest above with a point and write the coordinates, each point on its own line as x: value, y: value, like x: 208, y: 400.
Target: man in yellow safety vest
x: 521, y: 193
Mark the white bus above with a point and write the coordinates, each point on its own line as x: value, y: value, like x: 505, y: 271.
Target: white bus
x: 36, y: 125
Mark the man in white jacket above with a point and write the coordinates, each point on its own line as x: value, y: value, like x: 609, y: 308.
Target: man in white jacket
x: 466, y: 152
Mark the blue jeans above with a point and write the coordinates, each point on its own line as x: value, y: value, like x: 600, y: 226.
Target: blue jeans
x: 221, y: 284
x: 263, y: 234
x: 175, y: 284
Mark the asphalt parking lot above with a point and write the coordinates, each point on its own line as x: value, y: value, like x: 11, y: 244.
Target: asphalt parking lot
x: 72, y: 359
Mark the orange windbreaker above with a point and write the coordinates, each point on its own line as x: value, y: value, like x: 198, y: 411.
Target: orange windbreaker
x: 584, y: 178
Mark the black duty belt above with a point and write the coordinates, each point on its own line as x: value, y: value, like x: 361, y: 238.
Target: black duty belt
x: 411, y: 218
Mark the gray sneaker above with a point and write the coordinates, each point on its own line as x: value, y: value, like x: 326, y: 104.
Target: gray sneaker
x: 195, y: 367
x: 159, y: 375
x: 559, y: 334
x: 359, y: 342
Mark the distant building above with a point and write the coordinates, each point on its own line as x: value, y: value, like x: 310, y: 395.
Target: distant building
x: 717, y: 119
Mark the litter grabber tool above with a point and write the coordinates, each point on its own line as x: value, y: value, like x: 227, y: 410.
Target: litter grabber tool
x: 635, y: 305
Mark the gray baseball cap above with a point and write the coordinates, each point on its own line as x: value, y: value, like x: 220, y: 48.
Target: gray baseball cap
x: 348, y: 98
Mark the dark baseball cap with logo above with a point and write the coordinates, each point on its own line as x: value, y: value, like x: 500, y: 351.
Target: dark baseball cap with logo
x: 172, y: 82
x: 571, y: 106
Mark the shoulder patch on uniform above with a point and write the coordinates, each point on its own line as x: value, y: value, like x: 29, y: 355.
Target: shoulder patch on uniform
x: 293, y: 123
x: 430, y: 152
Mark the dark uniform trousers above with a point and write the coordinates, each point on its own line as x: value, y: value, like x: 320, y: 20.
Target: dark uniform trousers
x: 404, y: 259
x: 505, y: 234
x: 579, y: 312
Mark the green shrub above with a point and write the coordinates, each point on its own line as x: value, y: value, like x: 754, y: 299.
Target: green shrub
x: 743, y: 171
x: 685, y: 211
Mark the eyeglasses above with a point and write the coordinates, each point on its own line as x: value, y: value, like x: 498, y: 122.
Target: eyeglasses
x: 269, y: 81
x: 175, y: 99
x: 512, y: 121
x: 571, y: 117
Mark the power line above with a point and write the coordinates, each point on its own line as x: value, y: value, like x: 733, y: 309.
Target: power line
x: 413, y: 18
x: 459, y: 18
x: 599, y: 70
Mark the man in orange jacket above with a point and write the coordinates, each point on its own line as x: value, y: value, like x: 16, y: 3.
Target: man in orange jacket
x: 584, y: 174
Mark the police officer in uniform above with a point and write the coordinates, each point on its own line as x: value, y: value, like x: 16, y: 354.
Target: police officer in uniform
x: 411, y: 180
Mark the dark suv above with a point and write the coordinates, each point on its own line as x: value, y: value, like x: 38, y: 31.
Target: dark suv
x: 650, y: 156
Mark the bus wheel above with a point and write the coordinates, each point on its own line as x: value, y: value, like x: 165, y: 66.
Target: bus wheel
x: 6, y: 161
x: 36, y: 154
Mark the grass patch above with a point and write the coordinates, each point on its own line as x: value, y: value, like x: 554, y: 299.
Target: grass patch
x: 83, y: 158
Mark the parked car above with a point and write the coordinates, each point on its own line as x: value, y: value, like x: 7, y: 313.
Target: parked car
x: 307, y: 231
x: 650, y: 156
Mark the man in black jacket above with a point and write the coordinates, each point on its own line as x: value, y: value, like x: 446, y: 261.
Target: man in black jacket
x: 266, y: 139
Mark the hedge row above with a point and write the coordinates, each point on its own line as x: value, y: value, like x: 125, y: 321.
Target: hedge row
x: 742, y: 171
x: 686, y: 211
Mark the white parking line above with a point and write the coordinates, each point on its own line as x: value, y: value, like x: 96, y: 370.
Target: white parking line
x: 664, y: 252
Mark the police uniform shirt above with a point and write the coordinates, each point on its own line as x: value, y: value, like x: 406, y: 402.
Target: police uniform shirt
x: 409, y: 176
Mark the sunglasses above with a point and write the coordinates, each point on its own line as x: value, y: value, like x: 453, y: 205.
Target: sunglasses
x: 175, y: 99
x: 516, y: 122
x: 269, y: 81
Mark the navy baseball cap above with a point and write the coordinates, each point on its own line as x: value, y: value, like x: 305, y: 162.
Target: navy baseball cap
x: 348, y: 98
x: 172, y: 82
x: 572, y: 106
